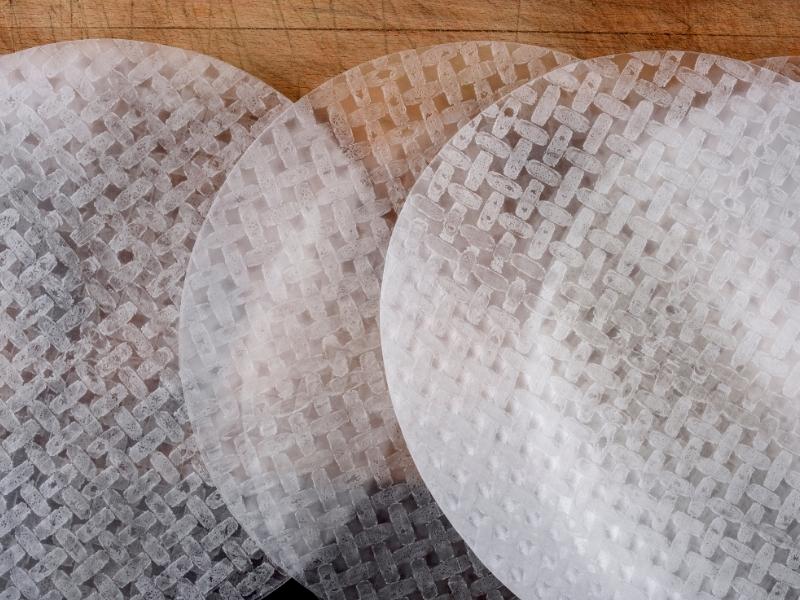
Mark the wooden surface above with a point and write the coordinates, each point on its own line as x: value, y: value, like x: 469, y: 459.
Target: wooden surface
x: 297, y: 44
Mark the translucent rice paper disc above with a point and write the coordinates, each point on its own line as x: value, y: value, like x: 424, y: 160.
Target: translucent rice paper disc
x: 110, y: 154
x: 788, y: 66
x: 280, y: 353
x: 590, y: 323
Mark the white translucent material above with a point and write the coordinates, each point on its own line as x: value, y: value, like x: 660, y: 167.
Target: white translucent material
x: 590, y: 320
x: 788, y: 66
x: 279, y: 335
x: 110, y: 154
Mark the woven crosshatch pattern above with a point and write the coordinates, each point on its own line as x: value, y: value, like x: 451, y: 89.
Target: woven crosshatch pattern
x: 590, y: 326
x: 788, y: 66
x: 279, y: 337
x: 110, y: 155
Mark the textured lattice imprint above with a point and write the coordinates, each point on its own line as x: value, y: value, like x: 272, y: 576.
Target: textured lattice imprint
x: 590, y: 324
x: 788, y: 66
x: 110, y: 154
x: 279, y: 337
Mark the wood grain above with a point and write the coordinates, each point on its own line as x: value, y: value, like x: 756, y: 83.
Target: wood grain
x: 297, y: 44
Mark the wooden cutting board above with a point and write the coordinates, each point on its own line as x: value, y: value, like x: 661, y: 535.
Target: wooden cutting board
x: 297, y: 44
